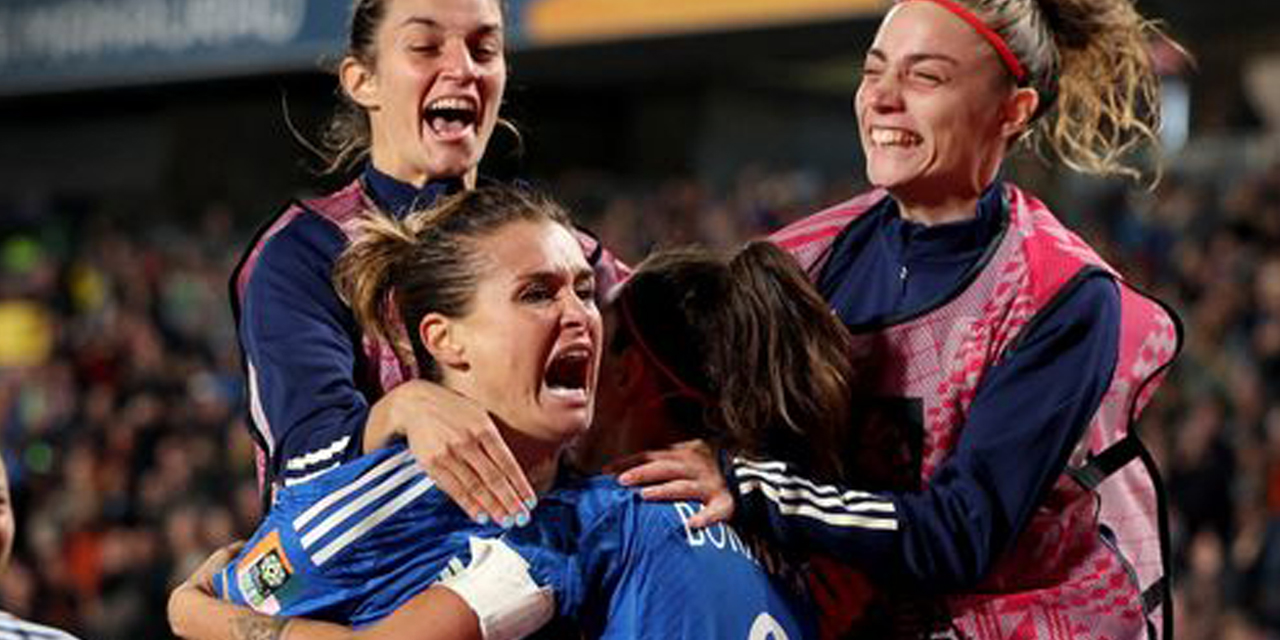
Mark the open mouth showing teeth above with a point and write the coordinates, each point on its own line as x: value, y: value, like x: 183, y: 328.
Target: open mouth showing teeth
x: 451, y: 115
x: 569, y: 371
x: 894, y: 138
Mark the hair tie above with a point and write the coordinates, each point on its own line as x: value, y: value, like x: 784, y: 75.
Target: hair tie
x: 681, y: 388
x: 998, y: 43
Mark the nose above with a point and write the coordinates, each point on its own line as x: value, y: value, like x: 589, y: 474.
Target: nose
x: 881, y: 93
x: 576, y: 312
x: 457, y: 62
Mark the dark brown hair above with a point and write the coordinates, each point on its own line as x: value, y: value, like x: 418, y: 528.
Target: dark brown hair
x: 760, y: 347
x: 397, y: 271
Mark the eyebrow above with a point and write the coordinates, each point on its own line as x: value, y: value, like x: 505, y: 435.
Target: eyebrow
x: 578, y: 274
x: 484, y: 29
x: 916, y: 58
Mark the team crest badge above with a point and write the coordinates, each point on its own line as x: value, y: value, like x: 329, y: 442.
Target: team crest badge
x: 265, y: 575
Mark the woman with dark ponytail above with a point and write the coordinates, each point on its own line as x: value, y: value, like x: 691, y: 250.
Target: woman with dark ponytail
x: 742, y: 353
x: 421, y: 85
x: 1004, y: 361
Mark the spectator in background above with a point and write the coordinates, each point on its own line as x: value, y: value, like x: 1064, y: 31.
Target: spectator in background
x: 12, y: 628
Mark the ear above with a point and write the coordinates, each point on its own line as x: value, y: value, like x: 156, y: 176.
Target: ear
x: 1018, y: 111
x: 359, y: 82
x: 440, y: 336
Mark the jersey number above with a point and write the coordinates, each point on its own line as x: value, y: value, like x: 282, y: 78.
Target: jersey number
x: 766, y: 628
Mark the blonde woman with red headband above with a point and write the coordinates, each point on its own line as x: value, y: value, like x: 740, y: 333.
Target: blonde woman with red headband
x: 1004, y: 360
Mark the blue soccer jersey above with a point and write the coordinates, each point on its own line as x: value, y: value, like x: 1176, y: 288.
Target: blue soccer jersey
x: 649, y: 575
x: 353, y: 544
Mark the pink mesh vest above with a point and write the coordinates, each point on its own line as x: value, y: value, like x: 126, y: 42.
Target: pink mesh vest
x: 1091, y: 562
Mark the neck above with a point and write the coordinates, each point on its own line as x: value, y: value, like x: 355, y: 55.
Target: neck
x: 540, y: 460
x: 930, y: 213
x: 649, y: 426
x: 417, y: 177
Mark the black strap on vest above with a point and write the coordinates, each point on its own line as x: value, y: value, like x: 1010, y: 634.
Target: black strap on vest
x: 1155, y: 595
x: 1101, y: 466
x: 1096, y: 471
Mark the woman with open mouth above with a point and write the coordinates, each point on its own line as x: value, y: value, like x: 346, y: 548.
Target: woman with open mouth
x: 497, y: 303
x: 422, y: 82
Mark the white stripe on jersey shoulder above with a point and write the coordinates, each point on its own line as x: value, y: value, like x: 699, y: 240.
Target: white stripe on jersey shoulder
x: 255, y: 410
x: 321, y: 455
x: 403, y: 476
x: 847, y: 520
x: 746, y: 472
x: 387, y: 510
x: 289, y: 482
x: 398, y: 460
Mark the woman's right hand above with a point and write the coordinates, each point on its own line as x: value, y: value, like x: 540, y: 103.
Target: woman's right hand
x: 457, y: 444
x: 684, y: 471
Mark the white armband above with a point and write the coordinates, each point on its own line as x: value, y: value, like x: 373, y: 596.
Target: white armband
x: 499, y: 589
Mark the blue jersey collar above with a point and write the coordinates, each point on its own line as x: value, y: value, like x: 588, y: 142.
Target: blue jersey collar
x: 399, y: 198
x: 952, y: 241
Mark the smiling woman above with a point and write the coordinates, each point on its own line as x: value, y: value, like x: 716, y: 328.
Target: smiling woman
x: 1004, y: 360
x: 427, y: 86
x: 422, y: 83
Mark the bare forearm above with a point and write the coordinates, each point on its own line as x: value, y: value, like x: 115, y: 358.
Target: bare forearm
x: 196, y: 615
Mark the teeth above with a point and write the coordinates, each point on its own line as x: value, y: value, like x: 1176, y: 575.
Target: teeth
x: 453, y: 104
x: 893, y: 137
x: 567, y: 371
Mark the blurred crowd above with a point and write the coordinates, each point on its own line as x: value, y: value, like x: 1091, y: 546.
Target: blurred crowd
x: 121, y: 396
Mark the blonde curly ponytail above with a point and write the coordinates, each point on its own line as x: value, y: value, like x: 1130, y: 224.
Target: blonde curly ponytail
x: 1088, y: 59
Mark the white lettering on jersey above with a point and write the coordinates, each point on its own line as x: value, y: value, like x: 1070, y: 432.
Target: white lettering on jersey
x: 721, y: 536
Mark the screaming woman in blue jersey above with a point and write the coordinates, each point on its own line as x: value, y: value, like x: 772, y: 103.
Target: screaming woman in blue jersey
x: 498, y: 301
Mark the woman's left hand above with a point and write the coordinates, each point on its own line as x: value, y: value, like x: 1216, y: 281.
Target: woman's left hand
x: 686, y: 471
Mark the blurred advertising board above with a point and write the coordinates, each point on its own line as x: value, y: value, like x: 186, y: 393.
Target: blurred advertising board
x: 55, y: 45
x: 558, y: 22
x: 51, y: 45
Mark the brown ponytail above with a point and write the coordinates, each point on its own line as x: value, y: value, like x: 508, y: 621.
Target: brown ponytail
x: 786, y: 362
x: 397, y: 271
x: 367, y: 271
x: 346, y: 138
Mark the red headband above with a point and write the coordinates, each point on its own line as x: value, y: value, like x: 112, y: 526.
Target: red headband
x: 681, y: 388
x: 998, y: 43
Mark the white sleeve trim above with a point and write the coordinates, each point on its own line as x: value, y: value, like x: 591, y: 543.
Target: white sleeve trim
x: 319, y: 456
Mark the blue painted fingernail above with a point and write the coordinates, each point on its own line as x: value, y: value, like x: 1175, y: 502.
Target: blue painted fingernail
x: 522, y: 519
x: 531, y: 503
x: 482, y: 519
x: 507, y: 522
